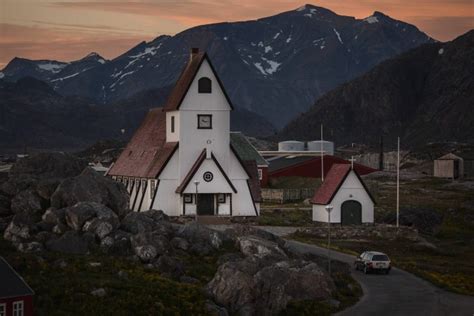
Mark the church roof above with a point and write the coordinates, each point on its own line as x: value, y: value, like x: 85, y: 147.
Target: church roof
x: 147, y: 152
x: 254, y: 183
x: 12, y: 284
x: 332, y: 182
x: 245, y: 149
x: 186, y: 79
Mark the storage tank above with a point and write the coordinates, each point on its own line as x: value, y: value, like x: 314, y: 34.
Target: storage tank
x: 291, y: 145
x: 327, y: 146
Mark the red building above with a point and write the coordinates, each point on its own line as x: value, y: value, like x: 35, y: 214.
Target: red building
x: 16, y: 297
x: 308, y: 166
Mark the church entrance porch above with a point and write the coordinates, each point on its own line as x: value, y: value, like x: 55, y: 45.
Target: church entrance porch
x: 205, y: 204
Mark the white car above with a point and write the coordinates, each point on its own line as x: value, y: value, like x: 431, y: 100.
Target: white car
x: 370, y: 261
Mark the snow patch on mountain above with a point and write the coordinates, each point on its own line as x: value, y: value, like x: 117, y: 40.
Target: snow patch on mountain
x: 276, y: 35
x: 268, y: 49
x: 2, y: 75
x: 371, y: 19
x: 273, y: 66
x: 52, y: 67
x: 441, y: 51
x: 121, y: 77
x: 338, y: 36
x: 288, y: 39
x: 259, y: 67
x: 67, y: 77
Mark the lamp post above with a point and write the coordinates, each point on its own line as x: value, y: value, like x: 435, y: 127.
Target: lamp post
x: 329, y: 209
x: 196, y: 183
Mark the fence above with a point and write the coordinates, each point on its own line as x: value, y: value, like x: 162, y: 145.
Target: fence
x: 286, y: 195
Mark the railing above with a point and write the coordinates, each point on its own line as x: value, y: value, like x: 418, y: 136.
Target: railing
x: 286, y: 195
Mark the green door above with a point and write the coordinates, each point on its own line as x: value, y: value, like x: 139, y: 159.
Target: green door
x: 351, y: 213
x: 205, y: 204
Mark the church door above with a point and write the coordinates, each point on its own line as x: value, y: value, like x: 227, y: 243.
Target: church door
x: 351, y: 213
x: 205, y: 204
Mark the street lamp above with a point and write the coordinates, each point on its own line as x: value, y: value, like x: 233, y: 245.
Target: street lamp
x: 329, y: 209
x: 196, y: 183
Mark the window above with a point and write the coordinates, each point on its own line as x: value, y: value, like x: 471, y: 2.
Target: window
x: 204, y: 121
x: 260, y: 174
x: 3, y: 310
x: 221, y: 198
x: 204, y: 85
x: 188, y: 198
x: 172, y: 124
x: 152, y: 189
x: 18, y: 308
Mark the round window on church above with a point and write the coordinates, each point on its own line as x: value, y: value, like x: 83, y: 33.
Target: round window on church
x: 208, y: 176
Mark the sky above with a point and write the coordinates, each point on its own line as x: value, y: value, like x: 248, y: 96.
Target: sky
x: 70, y: 29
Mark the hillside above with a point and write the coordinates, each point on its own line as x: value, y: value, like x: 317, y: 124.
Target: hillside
x: 424, y: 95
x: 34, y: 115
x: 275, y: 66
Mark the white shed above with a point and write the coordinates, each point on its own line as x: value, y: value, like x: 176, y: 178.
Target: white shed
x: 344, y: 189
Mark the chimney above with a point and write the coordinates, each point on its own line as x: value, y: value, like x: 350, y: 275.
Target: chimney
x: 194, y: 52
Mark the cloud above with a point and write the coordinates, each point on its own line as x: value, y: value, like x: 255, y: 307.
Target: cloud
x: 46, y: 43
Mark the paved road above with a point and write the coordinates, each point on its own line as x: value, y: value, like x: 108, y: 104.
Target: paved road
x: 399, y: 293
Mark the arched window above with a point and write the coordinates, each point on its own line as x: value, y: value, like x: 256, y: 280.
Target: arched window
x: 204, y: 85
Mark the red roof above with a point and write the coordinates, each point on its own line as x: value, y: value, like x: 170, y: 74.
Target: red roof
x: 186, y: 79
x: 147, y: 152
x: 332, y: 182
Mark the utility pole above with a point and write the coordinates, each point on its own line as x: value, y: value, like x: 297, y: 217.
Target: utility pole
x: 398, y: 182
x: 329, y: 209
x: 322, y: 155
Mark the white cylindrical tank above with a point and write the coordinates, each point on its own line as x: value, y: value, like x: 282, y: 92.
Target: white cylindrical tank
x: 291, y: 145
x: 316, y: 145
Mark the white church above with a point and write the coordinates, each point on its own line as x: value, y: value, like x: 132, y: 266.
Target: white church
x: 181, y: 159
x: 345, y: 194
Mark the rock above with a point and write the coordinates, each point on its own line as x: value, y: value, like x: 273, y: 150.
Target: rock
x: 54, y: 216
x: 101, y: 292
x: 123, y: 275
x: 252, y: 245
x: 215, y: 310
x: 229, y: 257
x: 21, y: 228
x: 95, y: 264
x: 334, y: 303
x: 18, y: 183
x: 196, y: 233
x: 61, y: 263
x: 27, y: 201
x: 90, y: 186
x: 71, y: 242
x: 260, y: 286
x: 425, y: 220
x: 60, y: 229
x: 245, y: 230
x: 170, y: 267
x: 117, y: 243
x: 146, y: 253
x: 44, y: 226
x: 179, y: 243
x: 78, y: 214
x: 30, y: 247
x: 147, y: 221
x: 4, y: 222
x: 44, y: 236
x: 46, y: 187
x: 158, y: 241
x: 5, y: 209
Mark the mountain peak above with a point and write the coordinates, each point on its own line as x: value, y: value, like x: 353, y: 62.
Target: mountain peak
x: 94, y: 57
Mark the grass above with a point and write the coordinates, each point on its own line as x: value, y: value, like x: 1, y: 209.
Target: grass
x: 287, y: 217
x: 66, y: 291
x: 448, y: 266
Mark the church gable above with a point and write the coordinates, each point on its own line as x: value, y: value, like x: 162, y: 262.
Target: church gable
x: 206, y: 91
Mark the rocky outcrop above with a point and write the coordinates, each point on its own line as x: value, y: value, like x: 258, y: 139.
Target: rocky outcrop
x: 71, y: 242
x: 27, y: 201
x: 90, y: 186
x: 264, y: 286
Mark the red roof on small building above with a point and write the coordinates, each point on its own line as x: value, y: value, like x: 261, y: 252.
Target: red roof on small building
x: 332, y: 182
x: 147, y: 152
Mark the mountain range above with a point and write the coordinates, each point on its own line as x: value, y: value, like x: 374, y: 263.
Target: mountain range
x: 424, y: 95
x: 275, y: 67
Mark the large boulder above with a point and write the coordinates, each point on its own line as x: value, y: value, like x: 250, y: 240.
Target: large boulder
x: 117, y: 243
x: 27, y: 173
x: 27, y: 201
x: 54, y: 216
x: 46, y: 187
x: 196, y: 234
x: 159, y: 242
x: 5, y: 208
x: 147, y: 221
x: 92, y: 217
x: 258, y: 286
x: 169, y: 267
x: 70, y: 242
x: 90, y: 186
x: 22, y: 227
x: 253, y: 245
x: 78, y: 214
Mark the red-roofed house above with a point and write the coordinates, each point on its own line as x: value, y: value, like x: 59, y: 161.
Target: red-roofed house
x: 346, y: 192
x: 188, y: 141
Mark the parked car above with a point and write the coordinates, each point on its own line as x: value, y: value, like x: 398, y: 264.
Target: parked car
x: 373, y: 261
